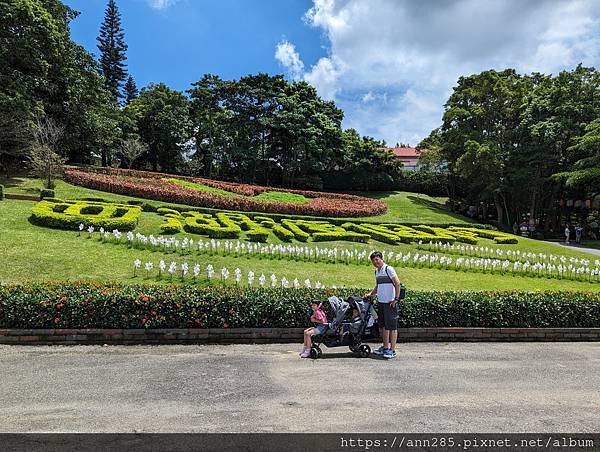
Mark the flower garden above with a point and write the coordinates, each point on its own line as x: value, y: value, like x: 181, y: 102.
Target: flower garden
x: 136, y: 260
x: 223, y: 195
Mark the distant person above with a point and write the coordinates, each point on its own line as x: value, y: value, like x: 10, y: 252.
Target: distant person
x: 595, y: 228
x: 578, y: 233
x: 567, y: 234
x: 515, y: 228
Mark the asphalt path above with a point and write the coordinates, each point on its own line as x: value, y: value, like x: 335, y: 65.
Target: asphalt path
x: 430, y: 387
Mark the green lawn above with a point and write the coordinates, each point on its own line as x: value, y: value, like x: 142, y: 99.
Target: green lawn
x: 414, y: 208
x: 33, y: 253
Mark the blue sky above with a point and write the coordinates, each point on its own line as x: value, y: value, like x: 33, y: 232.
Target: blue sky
x: 181, y: 41
x: 389, y: 64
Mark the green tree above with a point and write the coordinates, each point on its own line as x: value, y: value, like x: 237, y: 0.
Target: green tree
x: 112, y: 47
x: 162, y: 118
x: 131, y: 91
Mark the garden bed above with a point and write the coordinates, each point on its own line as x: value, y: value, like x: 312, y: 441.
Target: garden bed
x: 244, y: 197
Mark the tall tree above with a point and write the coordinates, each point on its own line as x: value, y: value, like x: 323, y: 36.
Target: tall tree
x: 111, y: 43
x: 163, y: 122
x: 131, y: 91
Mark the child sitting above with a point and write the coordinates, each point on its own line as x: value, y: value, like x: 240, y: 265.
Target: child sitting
x: 320, y: 320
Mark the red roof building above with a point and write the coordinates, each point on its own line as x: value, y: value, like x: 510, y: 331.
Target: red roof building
x: 408, y: 156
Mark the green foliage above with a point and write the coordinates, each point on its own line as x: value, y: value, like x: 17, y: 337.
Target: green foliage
x: 508, y: 140
x: 172, y: 224
x: 161, y: 118
x: 1, y: 192
x: 70, y: 214
x: 47, y: 193
x: 97, y: 305
x: 112, y: 47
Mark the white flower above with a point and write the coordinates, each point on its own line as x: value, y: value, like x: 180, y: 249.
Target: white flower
x: 318, y: 285
x: 149, y: 266
x: 262, y: 280
x: 137, y: 263
x: 172, y: 267
x: 196, y: 270
x: 307, y: 283
x: 250, y: 278
x: 285, y: 283
x: 90, y: 229
x: 296, y: 283
x: 210, y: 271
x: 162, y: 265
x: 273, y: 280
x: 101, y: 230
x: 224, y: 273
x: 184, y: 269
x: 81, y: 227
x: 238, y: 275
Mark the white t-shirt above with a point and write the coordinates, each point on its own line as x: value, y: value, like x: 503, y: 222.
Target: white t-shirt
x: 385, y: 287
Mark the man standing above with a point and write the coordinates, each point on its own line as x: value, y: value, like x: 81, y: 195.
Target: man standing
x: 387, y: 288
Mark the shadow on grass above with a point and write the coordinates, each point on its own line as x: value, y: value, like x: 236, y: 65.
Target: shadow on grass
x: 438, y: 208
x: 16, y: 182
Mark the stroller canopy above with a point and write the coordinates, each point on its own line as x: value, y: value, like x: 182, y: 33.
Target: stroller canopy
x: 340, y: 307
x: 360, y: 304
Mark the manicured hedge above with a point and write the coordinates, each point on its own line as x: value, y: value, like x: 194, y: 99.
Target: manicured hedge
x: 95, y: 305
x: 172, y: 224
x: 46, y: 193
x: 62, y: 214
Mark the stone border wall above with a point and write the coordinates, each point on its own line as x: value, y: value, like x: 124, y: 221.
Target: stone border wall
x: 279, y: 335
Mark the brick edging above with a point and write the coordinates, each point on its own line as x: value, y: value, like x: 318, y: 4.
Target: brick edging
x: 278, y: 335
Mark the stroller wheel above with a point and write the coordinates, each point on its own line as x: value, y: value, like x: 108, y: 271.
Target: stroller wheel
x: 365, y: 351
x: 314, y: 352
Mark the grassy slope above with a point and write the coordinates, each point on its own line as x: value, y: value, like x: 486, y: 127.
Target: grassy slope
x: 34, y: 253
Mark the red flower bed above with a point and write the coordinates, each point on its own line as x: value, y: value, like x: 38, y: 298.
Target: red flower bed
x: 144, y: 184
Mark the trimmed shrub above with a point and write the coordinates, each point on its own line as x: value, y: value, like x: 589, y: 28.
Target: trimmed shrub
x: 46, y: 193
x: 284, y: 234
x: 165, y: 211
x: 204, y: 224
x: 70, y: 214
x: 374, y: 233
x: 98, y: 305
x: 494, y: 235
x: 299, y: 234
x: 172, y: 225
x: 506, y: 240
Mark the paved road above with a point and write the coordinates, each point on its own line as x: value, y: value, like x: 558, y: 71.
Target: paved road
x: 577, y: 247
x: 431, y: 387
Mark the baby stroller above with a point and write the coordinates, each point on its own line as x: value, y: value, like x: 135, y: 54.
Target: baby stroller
x: 341, y: 333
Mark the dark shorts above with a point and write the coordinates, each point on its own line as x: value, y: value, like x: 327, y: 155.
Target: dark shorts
x: 387, y: 316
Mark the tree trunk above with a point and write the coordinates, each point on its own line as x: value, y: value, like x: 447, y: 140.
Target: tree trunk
x: 499, y: 211
x: 103, y: 152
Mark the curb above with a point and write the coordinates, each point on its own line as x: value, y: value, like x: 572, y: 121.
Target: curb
x: 97, y: 336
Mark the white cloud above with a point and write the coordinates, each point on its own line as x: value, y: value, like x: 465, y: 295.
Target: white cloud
x: 415, y: 52
x: 289, y: 58
x: 368, y: 97
x: 161, y: 4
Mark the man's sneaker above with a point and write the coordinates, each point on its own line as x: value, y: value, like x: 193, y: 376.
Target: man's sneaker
x: 389, y: 354
x: 380, y: 351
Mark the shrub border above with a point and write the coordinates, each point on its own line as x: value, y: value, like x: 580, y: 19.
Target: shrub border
x: 280, y: 335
